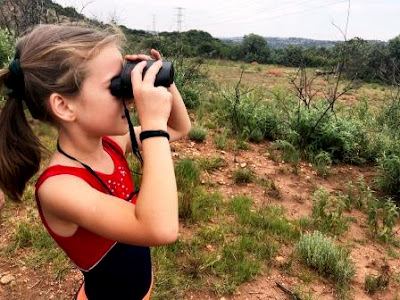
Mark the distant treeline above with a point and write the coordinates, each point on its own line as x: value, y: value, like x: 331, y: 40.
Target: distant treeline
x: 357, y: 58
x: 363, y: 60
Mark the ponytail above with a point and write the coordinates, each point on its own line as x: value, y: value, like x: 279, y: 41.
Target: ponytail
x: 20, y: 149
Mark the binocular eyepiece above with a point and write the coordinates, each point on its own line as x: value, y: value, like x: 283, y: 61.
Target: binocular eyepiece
x: 121, y: 86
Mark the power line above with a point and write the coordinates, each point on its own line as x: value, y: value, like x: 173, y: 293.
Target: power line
x: 179, y: 18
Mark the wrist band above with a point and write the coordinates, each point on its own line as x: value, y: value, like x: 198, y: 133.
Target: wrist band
x: 152, y: 133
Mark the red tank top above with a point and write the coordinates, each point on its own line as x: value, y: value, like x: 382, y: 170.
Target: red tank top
x: 85, y: 248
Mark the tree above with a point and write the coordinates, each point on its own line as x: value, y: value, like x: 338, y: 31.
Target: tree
x: 293, y: 56
x: 255, y: 48
x: 394, y: 48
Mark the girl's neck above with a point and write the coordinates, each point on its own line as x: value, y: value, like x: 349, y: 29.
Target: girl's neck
x: 84, y: 148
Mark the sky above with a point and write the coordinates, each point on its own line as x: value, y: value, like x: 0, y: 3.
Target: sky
x: 314, y: 19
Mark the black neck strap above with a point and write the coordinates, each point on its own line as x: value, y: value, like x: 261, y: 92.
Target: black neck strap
x: 85, y: 166
x: 92, y: 172
x: 134, y: 144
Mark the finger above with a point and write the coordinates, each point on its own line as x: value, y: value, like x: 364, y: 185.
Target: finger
x: 155, y: 54
x: 150, y: 76
x: 136, y: 74
x: 134, y: 57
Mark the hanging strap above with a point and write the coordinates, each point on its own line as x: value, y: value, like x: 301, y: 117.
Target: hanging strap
x: 85, y: 166
x: 134, y: 144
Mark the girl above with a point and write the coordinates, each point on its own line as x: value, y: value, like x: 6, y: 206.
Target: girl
x: 86, y: 198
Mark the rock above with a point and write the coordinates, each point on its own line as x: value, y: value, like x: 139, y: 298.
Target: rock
x: 280, y: 259
x: 210, y: 248
x: 7, y: 279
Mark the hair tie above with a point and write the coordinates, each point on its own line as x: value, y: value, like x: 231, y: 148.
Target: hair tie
x: 15, y: 81
x: 16, y: 85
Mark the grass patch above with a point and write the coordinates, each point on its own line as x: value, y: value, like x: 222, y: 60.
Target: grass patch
x: 198, y: 133
x: 44, y: 251
x: 210, y: 164
x: 243, y: 175
x: 220, y: 141
x: 271, y: 189
x: 321, y: 253
x: 372, y: 284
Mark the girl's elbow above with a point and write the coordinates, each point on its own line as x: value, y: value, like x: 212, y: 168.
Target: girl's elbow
x: 170, y: 237
x: 167, y: 236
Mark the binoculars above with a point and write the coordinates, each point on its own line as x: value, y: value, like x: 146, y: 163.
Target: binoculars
x: 121, y: 86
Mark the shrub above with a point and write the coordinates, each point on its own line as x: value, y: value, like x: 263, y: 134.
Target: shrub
x: 328, y: 212
x: 187, y: 179
x: 290, y: 153
x: 322, y: 161
x: 243, y: 175
x: 209, y: 164
x: 190, y: 81
x: 343, y: 139
x: 197, y: 133
x: 380, y: 282
x: 250, y: 117
x: 388, y: 212
x: 321, y: 253
x: 7, y: 47
x: 388, y: 178
x: 220, y: 141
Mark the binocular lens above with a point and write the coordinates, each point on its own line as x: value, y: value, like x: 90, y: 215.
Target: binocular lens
x: 121, y: 86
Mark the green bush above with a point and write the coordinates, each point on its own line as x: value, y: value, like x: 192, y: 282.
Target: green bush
x: 243, y: 175
x: 389, y: 116
x: 322, y: 161
x: 388, y: 178
x: 345, y: 140
x: 190, y: 81
x: 7, y: 47
x: 321, y: 253
x: 187, y: 179
x: 388, y: 212
x: 250, y: 117
x: 373, y: 284
x: 197, y: 133
x: 327, y: 212
x: 290, y: 153
x: 220, y: 141
x: 209, y: 164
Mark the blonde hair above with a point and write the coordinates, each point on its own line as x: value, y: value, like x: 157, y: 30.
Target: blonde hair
x: 53, y: 60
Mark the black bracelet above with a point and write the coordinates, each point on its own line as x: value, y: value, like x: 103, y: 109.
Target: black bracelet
x: 152, y: 133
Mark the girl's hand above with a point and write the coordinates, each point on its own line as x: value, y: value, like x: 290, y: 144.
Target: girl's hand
x: 153, y: 104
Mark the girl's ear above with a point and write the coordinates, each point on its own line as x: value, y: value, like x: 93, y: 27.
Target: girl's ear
x: 62, y: 107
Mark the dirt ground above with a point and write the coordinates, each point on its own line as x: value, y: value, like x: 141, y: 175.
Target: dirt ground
x: 295, y: 195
